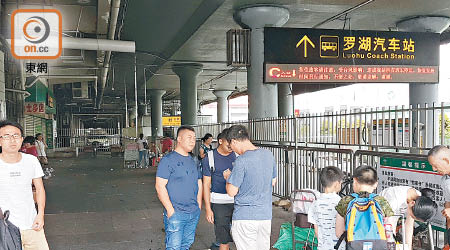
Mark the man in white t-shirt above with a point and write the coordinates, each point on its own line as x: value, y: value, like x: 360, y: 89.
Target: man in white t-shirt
x: 17, y: 172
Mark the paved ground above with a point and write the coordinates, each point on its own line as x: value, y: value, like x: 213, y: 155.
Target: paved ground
x: 93, y: 203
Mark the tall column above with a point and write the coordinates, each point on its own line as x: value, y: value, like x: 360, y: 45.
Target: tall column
x: 262, y: 97
x: 222, y: 104
x: 188, y: 73
x: 132, y: 116
x: 156, y: 111
x: 285, y: 100
x: 144, y: 120
x: 424, y: 93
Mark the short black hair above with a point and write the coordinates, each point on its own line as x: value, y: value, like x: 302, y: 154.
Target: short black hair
x: 206, y: 137
x: 427, y: 192
x: 237, y: 132
x: 29, y: 139
x: 38, y: 134
x: 141, y: 136
x: 330, y: 175
x: 184, y: 127
x: 424, y: 208
x: 223, y: 134
x: 435, y: 150
x: 5, y: 123
x: 366, y: 175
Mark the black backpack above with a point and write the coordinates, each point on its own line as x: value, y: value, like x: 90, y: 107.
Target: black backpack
x: 9, y: 234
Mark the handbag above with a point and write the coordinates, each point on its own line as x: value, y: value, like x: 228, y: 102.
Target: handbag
x: 9, y: 234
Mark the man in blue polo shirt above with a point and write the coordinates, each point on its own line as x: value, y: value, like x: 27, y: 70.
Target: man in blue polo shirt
x: 250, y: 183
x: 218, y: 204
x: 179, y: 188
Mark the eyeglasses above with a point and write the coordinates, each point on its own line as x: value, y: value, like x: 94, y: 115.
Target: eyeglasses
x: 9, y: 137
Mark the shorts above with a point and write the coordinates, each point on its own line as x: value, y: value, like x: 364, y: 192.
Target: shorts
x: 222, y: 222
x: 33, y: 240
x: 251, y: 234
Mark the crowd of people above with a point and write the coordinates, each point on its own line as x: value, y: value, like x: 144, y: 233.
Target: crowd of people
x: 237, y: 190
x: 234, y: 182
x: 150, y: 153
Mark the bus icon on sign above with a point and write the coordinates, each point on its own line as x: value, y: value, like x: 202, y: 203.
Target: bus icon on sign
x: 329, y: 46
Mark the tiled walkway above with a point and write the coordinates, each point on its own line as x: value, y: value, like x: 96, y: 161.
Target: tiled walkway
x: 93, y: 203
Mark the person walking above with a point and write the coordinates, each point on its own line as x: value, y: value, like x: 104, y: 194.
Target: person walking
x: 143, y: 149
x: 41, y: 146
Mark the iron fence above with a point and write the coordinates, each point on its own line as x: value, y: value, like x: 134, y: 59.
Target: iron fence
x: 399, y: 128
x: 100, y: 139
x: 299, y: 168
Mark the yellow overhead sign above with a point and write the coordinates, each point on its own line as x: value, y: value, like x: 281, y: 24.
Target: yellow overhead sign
x: 171, y: 121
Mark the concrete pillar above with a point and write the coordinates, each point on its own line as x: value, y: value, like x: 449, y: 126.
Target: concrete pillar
x: 132, y: 117
x: 424, y: 93
x: 222, y: 105
x: 285, y: 100
x: 188, y: 73
x: 156, y: 111
x: 262, y: 97
x: 421, y: 94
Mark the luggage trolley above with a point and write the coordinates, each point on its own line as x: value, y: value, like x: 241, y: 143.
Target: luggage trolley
x: 301, y: 201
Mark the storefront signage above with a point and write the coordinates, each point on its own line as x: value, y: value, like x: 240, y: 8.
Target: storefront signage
x: 34, y: 108
x: 171, y: 121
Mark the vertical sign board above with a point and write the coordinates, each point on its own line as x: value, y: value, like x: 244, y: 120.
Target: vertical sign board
x: 49, y: 133
x: 417, y: 174
x: 348, y: 56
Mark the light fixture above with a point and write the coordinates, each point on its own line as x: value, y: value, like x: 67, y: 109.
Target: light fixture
x: 211, y: 88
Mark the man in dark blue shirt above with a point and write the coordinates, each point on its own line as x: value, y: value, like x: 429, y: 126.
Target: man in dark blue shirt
x: 218, y: 204
x: 179, y: 188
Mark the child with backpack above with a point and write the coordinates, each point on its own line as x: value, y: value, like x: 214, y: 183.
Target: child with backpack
x: 322, y: 213
x: 360, y: 216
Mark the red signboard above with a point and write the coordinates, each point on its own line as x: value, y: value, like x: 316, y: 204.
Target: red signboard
x: 34, y: 108
x: 307, y: 73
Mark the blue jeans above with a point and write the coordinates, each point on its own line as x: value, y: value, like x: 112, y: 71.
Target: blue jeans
x: 143, y: 156
x: 180, y: 230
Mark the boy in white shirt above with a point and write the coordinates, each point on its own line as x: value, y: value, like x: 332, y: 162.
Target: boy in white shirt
x: 322, y: 212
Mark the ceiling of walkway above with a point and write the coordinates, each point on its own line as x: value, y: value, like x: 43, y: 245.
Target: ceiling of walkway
x: 173, y: 31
